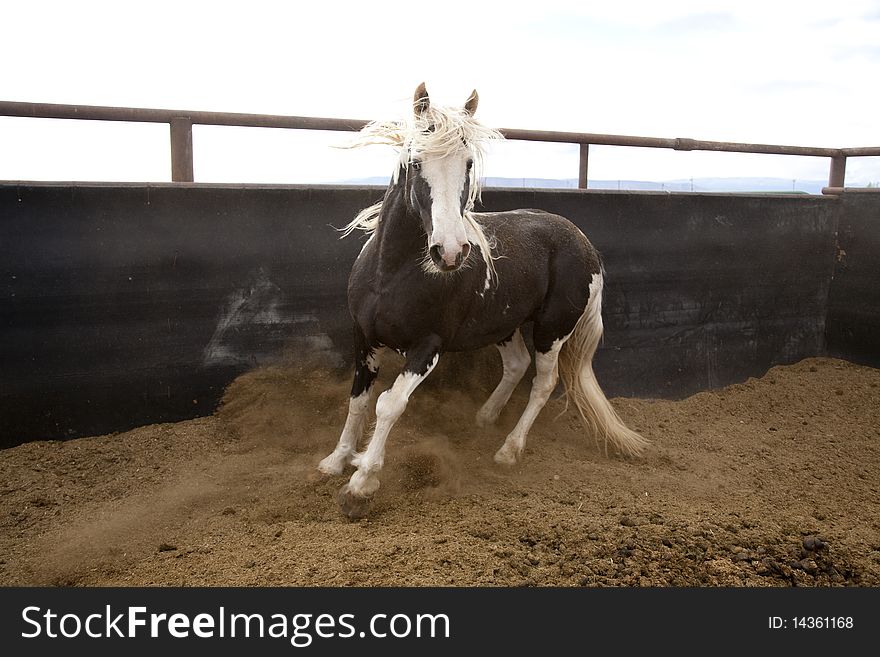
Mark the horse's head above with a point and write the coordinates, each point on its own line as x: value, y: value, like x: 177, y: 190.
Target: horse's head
x: 440, y: 178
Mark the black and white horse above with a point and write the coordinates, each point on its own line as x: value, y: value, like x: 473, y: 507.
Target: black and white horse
x: 435, y: 277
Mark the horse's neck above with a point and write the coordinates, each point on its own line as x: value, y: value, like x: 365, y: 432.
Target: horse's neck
x: 400, y: 233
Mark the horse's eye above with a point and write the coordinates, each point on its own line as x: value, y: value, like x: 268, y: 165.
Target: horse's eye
x: 417, y: 165
x: 470, y: 165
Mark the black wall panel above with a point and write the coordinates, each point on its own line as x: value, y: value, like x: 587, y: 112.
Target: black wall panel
x: 854, y: 304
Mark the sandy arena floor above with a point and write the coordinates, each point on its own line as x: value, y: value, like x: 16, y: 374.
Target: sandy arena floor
x: 772, y: 482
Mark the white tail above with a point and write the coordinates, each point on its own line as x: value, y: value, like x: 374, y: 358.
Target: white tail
x: 581, y: 387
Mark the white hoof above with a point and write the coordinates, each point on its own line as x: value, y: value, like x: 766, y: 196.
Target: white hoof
x: 507, y: 455
x: 363, y: 484
x: 351, y: 505
x: 332, y: 465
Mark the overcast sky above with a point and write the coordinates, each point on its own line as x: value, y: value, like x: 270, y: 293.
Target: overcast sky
x: 802, y: 73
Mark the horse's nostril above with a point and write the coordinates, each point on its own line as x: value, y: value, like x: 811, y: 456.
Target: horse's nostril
x: 465, y: 250
x: 436, y: 252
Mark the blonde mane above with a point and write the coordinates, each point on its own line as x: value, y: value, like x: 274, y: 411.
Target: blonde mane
x: 436, y: 132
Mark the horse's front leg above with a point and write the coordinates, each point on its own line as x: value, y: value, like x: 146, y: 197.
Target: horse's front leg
x: 355, y: 496
x: 366, y: 369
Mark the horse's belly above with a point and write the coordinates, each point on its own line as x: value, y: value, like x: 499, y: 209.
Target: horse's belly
x: 401, y: 330
x: 487, y: 329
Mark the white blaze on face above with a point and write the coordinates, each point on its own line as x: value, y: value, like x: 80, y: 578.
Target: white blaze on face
x: 446, y: 177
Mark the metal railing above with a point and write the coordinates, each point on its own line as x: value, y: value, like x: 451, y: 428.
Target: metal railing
x: 182, y: 121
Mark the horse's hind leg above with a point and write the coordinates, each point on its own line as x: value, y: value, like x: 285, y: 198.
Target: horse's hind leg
x: 354, y: 497
x: 546, y: 376
x: 516, y: 358
x: 365, y: 372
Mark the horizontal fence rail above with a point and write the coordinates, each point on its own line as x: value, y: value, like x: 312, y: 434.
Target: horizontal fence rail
x: 182, y: 121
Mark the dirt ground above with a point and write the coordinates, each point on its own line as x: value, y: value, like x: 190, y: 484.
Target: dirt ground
x: 772, y: 482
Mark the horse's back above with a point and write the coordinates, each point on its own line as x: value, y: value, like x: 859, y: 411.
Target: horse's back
x: 528, y: 231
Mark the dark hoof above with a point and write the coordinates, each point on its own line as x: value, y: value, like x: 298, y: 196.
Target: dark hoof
x: 353, y: 507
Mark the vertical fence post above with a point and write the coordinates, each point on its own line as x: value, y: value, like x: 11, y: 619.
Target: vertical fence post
x: 837, y: 175
x: 583, y: 166
x: 181, y: 150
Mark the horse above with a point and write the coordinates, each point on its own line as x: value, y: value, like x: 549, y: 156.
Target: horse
x: 435, y: 276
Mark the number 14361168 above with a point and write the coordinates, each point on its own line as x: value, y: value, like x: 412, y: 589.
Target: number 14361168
x: 811, y: 623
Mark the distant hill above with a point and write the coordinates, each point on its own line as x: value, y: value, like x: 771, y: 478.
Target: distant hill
x: 690, y: 185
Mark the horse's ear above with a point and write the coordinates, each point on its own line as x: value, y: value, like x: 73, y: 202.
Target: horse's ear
x: 471, y: 105
x: 421, y: 102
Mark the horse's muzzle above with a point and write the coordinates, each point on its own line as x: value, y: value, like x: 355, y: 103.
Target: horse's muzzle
x: 445, y: 263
